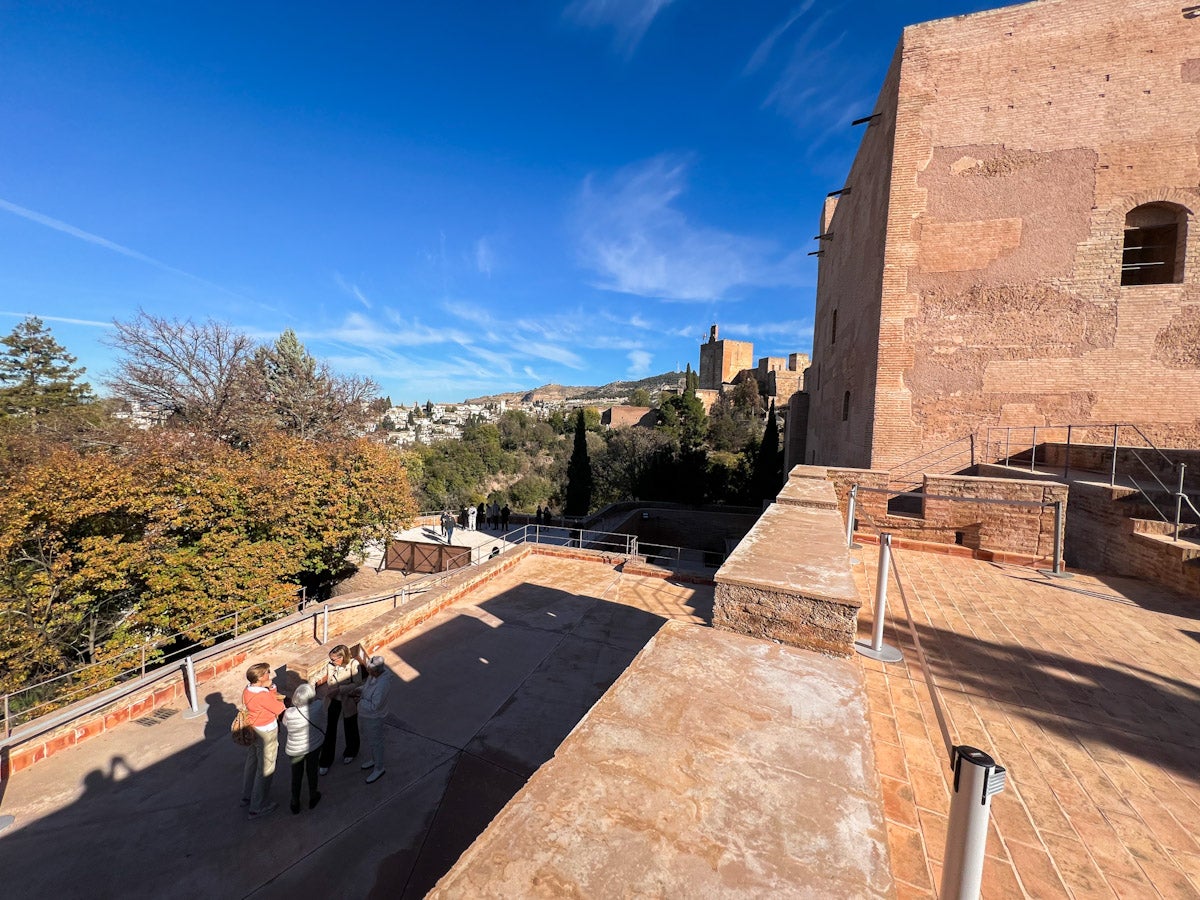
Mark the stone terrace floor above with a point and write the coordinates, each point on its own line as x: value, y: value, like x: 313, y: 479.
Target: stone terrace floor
x: 1085, y: 690
x: 485, y: 692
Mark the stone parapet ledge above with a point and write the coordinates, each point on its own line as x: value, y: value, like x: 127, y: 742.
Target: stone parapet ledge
x: 803, y: 489
x: 789, y: 581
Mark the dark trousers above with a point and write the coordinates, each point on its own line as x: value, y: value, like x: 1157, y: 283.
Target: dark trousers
x: 349, y: 724
x: 302, y: 765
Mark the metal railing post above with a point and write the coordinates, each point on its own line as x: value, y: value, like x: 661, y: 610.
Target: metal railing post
x: 877, y: 649
x: 143, y: 648
x: 972, y: 449
x: 634, y: 545
x: 189, y: 676
x: 235, y: 623
x: 1058, y: 571
x: 1067, y: 461
x: 7, y: 720
x: 851, y: 507
x: 1112, y: 478
x: 977, y: 779
x: 325, y: 625
x: 1033, y: 451
x: 1007, y: 442
x: 1179, y: 499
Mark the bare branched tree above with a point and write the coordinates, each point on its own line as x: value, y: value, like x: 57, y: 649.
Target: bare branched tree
x: 194, y: 375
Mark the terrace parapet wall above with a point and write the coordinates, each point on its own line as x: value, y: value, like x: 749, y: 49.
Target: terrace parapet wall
x: 789, y: 581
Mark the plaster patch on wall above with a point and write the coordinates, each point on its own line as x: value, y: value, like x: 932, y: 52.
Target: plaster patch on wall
x: 965, y: 246
x: 1189, y: 71
x: 1178, y: 345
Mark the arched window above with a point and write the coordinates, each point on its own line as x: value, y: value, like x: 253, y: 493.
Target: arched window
x: 1155, y: 236
x: 846, y: 407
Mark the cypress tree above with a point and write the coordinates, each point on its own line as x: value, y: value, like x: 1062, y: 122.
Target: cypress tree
x: 579, y: 472
x: 767, y: 475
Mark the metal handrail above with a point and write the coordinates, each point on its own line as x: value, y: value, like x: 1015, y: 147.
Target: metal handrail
x: 905, y: 471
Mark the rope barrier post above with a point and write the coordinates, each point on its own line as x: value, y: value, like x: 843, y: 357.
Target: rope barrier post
x: 195, y: 708
x: 1058, y: 571
x: 1179, y: 499
x: 877, y: 649
x: 1112, y: 478
x: 325, y: 625
x: 851, y: 507
x: 977, y: 779
x: 1067, y: 462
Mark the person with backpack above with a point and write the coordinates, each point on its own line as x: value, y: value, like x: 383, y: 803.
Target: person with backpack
x: 304, y: 737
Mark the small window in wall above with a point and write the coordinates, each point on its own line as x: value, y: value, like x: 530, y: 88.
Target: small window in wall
x: 833, y: 329
x: 846, y: 407
x: 1155, y: 236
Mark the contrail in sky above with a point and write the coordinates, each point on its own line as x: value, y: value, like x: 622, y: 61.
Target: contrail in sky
x: 67, y: 228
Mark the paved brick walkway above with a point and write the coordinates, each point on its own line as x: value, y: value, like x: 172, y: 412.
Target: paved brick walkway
x: 1085, y: 689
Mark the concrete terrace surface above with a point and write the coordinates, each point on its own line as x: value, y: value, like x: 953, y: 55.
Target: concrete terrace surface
x: 485, y: 692
x: 717, y: 766
x: 1085, y: 690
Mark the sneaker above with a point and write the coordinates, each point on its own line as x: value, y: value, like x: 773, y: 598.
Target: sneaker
x: 376, y: 775
x: 314, y: 800
x: 368, y: 765
x: 269, y: 808
x: 324, y: 770
x: 346, y: 760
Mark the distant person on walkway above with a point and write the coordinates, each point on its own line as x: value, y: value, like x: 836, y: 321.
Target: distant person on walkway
x: 538, y: 516
x: 264, y: 706
x: 494, y: 514
x: 448, y: 526
x: 481, y: 511
x: 304, y: 737
x: 504, y: 514
x: 495, y: 552
x: 372, y: 708
x: 342, y: 675
x: 472, y: 518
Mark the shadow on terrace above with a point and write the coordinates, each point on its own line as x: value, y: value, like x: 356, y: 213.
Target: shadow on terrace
x: 483, y: 695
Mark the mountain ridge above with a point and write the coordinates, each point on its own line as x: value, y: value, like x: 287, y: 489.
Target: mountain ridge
x: 561, y: 393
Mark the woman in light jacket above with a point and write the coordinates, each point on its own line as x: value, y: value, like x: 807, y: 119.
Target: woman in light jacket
x: 342, y: 675
x: 304, y: 736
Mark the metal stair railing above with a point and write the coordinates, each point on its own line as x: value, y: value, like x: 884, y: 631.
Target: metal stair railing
x: 907, y: 474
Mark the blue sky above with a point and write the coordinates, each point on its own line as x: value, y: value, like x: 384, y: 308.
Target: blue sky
x: 453, y: 198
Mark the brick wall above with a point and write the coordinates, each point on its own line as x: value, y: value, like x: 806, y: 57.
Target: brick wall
x: 1015, y: 141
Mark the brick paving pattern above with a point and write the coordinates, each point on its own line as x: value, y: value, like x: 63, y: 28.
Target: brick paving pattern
x: 1083, y: 689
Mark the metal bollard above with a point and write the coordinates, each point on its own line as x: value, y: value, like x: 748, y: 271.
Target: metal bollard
x: 1179, y: 499
x: 195, y: 708
x: 1058, y: 571
x: 976, y: 779
x: 877, y: 649
x: 325, y: 625
x: 851, y: 509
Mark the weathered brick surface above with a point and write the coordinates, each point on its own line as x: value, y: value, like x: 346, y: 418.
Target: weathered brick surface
x: 974, y: 269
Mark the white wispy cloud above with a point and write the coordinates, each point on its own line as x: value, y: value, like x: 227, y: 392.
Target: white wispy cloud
x: 798, y: 329
x: 629, y: 19
x: 552, y: 352
x: 817, y: 85
x: 639, y: 363
x: 395, y: 331
x: 89, y: 237
x: 66, y: 320
x: 353, y: 290
x: 485, y: 256
x: 763, y: 50
x: 633, y: 234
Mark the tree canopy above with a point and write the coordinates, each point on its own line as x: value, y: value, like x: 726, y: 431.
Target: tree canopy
x: 37, y: 374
